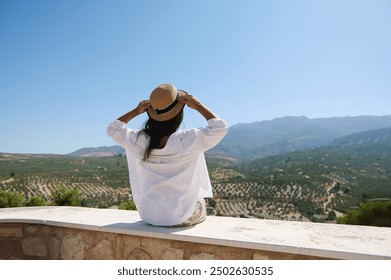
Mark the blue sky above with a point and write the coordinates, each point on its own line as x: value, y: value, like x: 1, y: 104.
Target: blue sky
x: 68, y: 68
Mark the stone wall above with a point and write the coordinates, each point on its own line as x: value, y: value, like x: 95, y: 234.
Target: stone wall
x: 28, y: 241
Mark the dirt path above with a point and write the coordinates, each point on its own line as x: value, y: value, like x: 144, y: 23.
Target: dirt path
x: 8, y: 181
x: 329, y: 196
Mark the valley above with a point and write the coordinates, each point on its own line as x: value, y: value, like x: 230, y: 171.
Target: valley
x: 297, y: 177
x: 311, y: 185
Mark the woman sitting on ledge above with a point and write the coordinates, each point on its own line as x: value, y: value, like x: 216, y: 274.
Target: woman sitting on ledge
x: 167, y: 168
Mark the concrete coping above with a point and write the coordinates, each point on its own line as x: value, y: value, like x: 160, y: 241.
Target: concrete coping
x: 331, y: 241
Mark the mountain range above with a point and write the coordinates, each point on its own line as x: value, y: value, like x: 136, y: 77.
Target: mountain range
x: 104, y: 151
x: 246, y: 142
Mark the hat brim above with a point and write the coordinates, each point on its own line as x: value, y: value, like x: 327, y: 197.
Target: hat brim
x: 170, y: 114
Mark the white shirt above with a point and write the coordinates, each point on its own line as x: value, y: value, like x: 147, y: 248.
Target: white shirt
x: 166, y: 186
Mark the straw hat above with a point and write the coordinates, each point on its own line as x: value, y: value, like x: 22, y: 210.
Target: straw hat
x: 164, y: 102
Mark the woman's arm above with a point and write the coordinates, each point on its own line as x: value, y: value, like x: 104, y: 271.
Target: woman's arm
x: 141, y: 108
x: 195, y: 104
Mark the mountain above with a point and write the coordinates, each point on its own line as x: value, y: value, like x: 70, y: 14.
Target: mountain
x: 104, y: 151
x: 355, y: 169
x: 288, y: 134
x: 255, y: 140
x: 370, y: 137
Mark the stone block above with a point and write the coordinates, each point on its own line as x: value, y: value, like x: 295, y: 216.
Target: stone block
x: 139, y: 254
x: 120, y: 246
x: 10, y: 249
x: 73, y: 247
x: 130, y: 243
x: 258, y: 256
x: 31, y: 229
x: 103, y: 250
x: 202, y: 256
x: 172, y: 254
x: 155, y: 247
x: 54, y: 247
x: 34, y: 247
x: 11, y: 232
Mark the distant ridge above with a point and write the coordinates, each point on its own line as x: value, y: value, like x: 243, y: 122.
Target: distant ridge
x: 376, y: 136
x: 249, y: 141
x: 288, y: 134
x: 104, y: 151
x: 19, y: 156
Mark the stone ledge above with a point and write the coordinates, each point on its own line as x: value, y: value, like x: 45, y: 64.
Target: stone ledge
x: 298, y: 238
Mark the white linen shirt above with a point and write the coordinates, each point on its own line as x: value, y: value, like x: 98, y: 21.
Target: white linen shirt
x: 166, y: 186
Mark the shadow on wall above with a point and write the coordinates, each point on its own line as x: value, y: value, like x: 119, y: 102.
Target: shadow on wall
x: 144, y: 227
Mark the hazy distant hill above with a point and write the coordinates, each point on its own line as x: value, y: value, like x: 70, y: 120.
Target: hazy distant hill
x: 10, y: 156
x: 288, y: 134
x: 377, y: 136
x: 278, y: 136
x: 99, y: 152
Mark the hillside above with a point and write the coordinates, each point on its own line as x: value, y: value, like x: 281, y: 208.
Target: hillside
x: 310, y: 184
x: 346, y: 175
x: 251, y: 141
x: 289, y: 134
x: 305, y: 185
x: 103, y: 180
x: 362, y: 139
x: 313, y: 183
x: 104, y: 151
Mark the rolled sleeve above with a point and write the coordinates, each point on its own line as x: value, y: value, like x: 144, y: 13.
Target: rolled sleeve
x: 122, y: 135
x: 212, y: 134
x: 217, y: 123
x: 115, y: 127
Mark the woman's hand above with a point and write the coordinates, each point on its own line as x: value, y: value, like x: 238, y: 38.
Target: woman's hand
x: 143, y: 106
x: 195, y: 104
x: 190, y: 101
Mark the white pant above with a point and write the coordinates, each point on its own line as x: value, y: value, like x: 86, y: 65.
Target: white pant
x: 199, y: 214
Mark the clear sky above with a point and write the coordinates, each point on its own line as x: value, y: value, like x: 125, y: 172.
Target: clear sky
x: 68, y: 68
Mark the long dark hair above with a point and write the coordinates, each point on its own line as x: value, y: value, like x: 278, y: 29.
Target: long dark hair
x: 157, y: 130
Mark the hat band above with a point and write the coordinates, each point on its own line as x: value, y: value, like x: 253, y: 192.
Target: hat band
x: 167, y: 109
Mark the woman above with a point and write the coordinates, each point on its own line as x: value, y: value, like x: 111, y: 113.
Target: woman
x: 167, y: 168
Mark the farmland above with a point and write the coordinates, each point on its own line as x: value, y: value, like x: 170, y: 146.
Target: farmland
x: 311, y: 185
x: 102, y: 181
